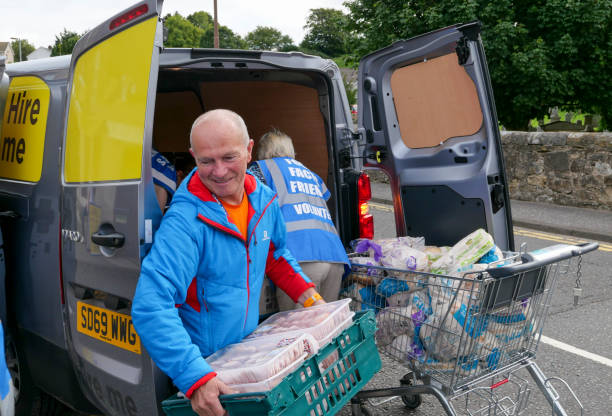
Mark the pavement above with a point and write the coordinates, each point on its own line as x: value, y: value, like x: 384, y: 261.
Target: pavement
x: 583, y: 223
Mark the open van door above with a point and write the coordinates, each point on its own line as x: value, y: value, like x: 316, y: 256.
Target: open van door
x: 106, y: 167
x: 427, y: 117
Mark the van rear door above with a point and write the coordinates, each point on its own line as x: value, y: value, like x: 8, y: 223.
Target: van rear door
x: 427, y: 118
x: 106, y: 164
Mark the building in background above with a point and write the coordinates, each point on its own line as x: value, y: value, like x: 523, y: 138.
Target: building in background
x: 7, y: 51
x: 39, y: 53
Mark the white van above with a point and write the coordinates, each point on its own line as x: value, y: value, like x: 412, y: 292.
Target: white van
x: 75, y: 177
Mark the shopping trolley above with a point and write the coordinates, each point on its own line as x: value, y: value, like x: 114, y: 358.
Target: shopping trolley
x: 465, y: 336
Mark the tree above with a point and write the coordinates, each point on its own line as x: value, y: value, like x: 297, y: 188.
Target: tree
x: 326, y: 32
x: 540, y: 53
x: 182, y: 33
x: 64, y: 43
x: 26, y: 49
x: 266, y: 38
x: 227, y: 39
x: 201, y: 19
x: 197, y: 31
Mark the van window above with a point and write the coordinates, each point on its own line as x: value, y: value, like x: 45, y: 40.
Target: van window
x: 434, y: 101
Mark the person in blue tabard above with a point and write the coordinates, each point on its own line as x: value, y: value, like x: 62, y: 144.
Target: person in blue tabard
x: 164, y: 179
x: 311, y: 235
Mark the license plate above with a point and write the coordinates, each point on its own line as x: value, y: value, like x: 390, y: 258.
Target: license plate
x: 108, y: 326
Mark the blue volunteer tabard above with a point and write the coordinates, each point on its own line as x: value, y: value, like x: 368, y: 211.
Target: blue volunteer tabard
x: 311, y: 234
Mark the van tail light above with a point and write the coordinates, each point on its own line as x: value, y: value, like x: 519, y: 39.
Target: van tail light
x: 364, y: 194
x: 128, y: 16
x: 364, y: 191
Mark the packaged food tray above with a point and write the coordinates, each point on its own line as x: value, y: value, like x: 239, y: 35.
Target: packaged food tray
x: 310, y: 390
x: 271, y: 382
x: 323, y: 322
x: 260, y: 359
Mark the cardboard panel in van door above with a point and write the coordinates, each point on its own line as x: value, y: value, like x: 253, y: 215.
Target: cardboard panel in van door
x: 427, y: 118
x: 109, y: 121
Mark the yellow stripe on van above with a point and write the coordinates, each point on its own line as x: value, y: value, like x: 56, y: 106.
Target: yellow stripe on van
x: 106, y: 115
x: 24, y: 126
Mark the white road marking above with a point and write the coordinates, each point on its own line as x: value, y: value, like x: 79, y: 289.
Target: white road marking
x: 569, y: 348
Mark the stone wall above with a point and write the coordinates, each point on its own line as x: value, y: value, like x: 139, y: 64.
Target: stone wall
x: 564, y: 168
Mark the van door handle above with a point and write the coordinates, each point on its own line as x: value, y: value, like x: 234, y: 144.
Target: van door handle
x: 107, y: 236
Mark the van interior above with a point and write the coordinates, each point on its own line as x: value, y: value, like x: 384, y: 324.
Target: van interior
x: 295, y: 103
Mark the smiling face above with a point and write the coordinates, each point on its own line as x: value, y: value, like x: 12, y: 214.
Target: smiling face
x: 221, y: 156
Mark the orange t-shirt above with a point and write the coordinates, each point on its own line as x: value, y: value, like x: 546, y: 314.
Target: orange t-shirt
x: 238, y: 214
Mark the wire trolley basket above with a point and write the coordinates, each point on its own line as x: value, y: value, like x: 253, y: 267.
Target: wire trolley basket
x: 464, y: 335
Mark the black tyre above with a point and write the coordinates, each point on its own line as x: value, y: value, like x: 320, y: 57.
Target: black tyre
x: 365, y: 411
x: 29, y: 400
x: 360, y: 410
x: 411, y: 401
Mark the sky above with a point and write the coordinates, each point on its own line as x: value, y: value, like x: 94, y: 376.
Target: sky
x: 39, y: 21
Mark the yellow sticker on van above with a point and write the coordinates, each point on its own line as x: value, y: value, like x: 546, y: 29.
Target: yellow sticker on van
x: 108, y: 326
x: 24, y: 125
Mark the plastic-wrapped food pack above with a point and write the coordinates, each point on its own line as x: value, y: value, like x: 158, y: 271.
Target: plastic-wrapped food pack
x: 388, y: 244
x: 467, y: 251
x: 394, y: 321
x: 323, y: 322
x: 258, y: 360
x: 271, y: 382
x: 404, y: 258
x: 363, y: 273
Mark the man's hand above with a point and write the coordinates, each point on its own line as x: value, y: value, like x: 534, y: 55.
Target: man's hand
x: 205, y: 400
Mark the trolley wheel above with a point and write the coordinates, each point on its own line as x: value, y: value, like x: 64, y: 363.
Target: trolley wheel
x: 411, y: 401
x: 365, y: 411
x: 358, y: 408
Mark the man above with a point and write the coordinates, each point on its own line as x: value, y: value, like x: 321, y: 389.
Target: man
x: 199, y: 287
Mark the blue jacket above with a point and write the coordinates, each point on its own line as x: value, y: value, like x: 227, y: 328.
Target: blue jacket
x: 311, y: 233
x: 200, y: 284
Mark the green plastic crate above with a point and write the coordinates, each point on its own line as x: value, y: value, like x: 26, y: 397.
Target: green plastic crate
x: 350, y: 361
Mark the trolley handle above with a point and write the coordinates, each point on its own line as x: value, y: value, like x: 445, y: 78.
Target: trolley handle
x: 543, y: 257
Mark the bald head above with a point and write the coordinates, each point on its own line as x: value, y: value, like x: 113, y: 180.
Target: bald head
x: 221, y: 118
x: 221, y: 148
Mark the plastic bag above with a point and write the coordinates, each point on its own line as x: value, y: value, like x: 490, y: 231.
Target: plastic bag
x: 404, y: 258
x: 466, y: 252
